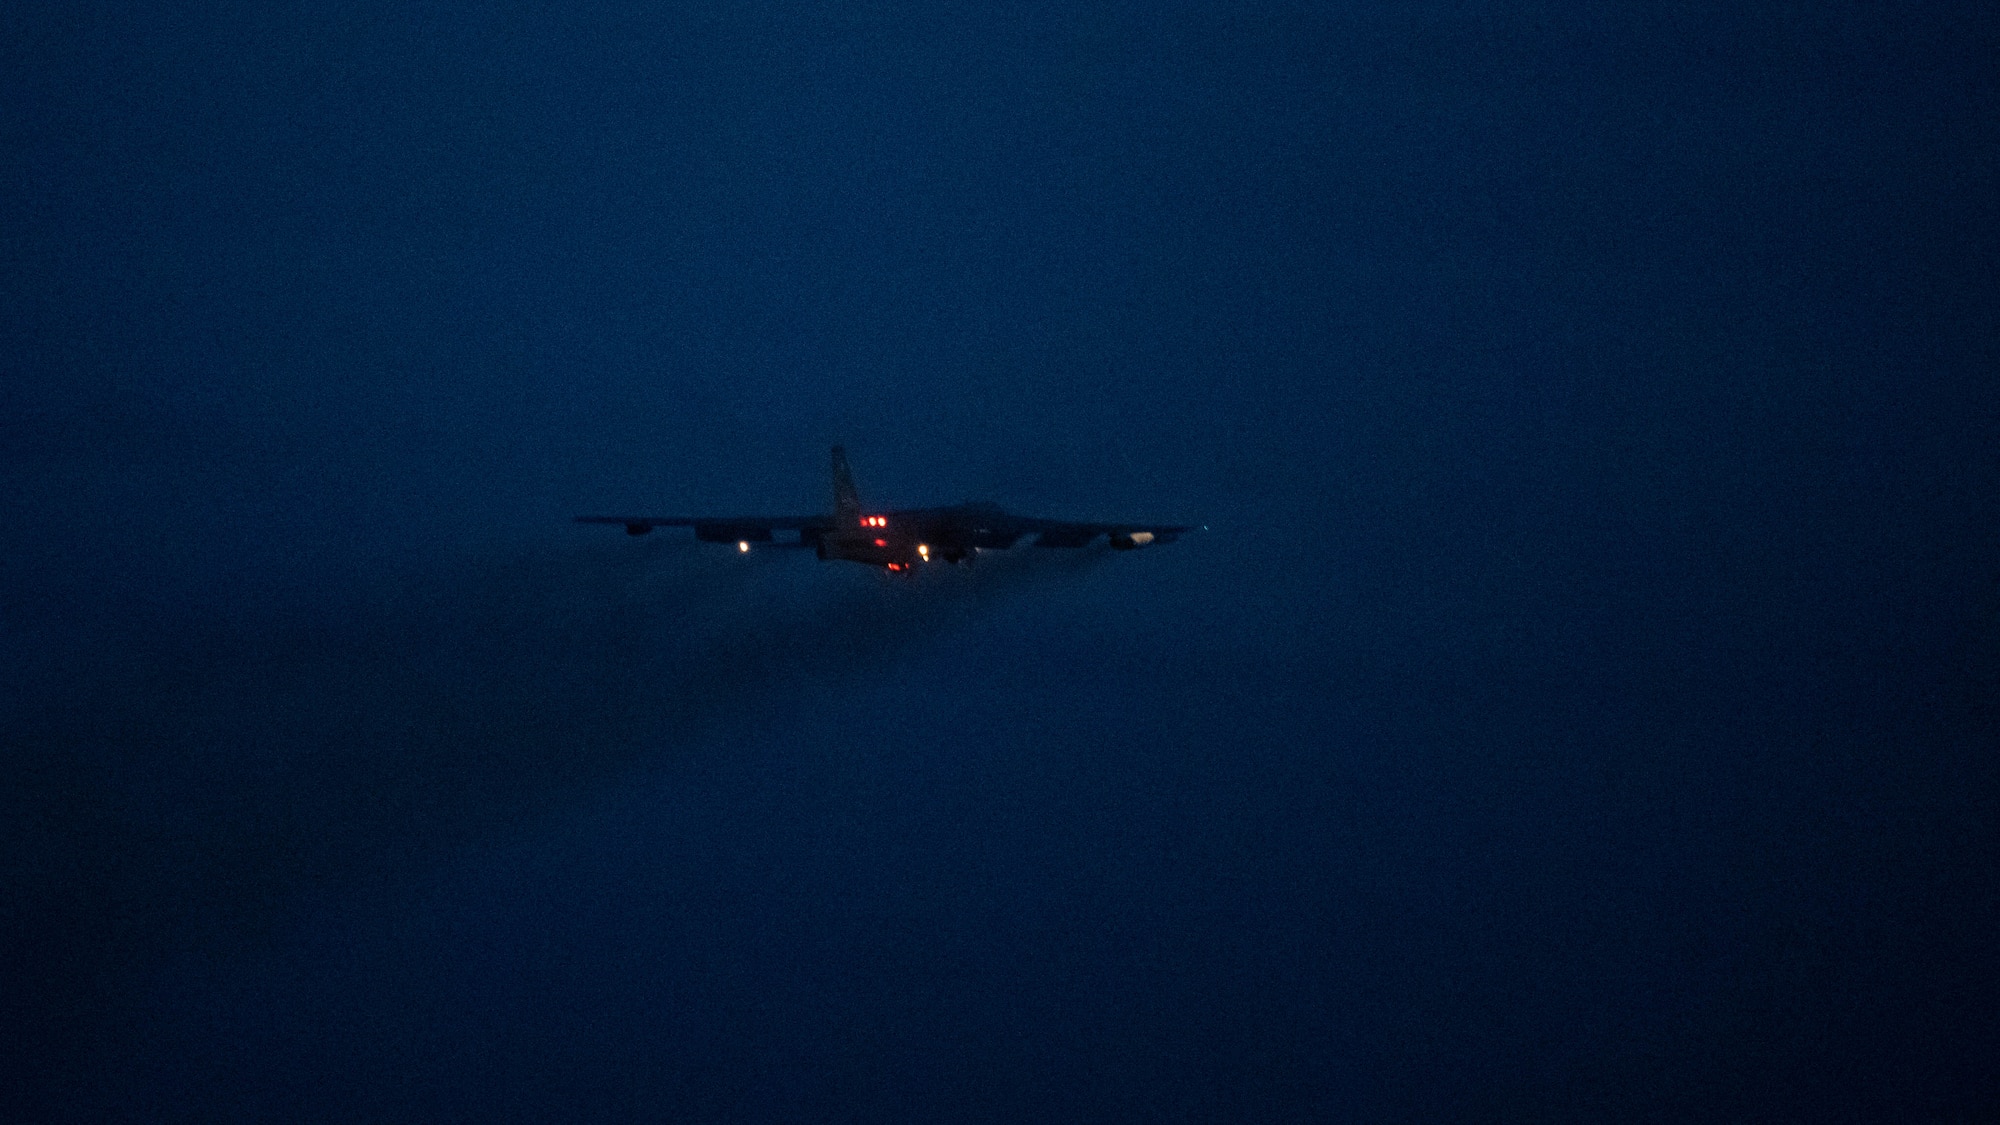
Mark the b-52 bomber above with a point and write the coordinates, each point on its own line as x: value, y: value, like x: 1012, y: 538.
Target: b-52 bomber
x: 899, y: 540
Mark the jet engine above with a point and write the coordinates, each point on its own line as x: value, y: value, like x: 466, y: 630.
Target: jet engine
x: 1131, y: 540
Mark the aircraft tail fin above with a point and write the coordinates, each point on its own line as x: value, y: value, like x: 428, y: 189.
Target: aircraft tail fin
x: 846, y: 501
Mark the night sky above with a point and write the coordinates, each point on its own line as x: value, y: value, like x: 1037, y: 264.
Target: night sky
x: 1582, y: 706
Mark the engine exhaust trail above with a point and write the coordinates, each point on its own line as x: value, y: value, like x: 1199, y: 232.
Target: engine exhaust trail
x: 182, y: 802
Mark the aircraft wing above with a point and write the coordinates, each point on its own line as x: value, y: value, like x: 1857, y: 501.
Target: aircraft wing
x: 722, y: 529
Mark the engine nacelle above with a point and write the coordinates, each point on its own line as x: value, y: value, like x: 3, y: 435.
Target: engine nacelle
x: 1131, y: 540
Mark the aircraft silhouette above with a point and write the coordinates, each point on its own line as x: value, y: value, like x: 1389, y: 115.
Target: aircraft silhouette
x: 900, y: 539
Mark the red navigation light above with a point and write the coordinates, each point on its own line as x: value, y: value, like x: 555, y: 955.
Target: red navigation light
x: 881, y: 542
x: 895, y: 566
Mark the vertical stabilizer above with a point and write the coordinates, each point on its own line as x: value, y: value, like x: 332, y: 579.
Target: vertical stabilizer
x: 846, y: 501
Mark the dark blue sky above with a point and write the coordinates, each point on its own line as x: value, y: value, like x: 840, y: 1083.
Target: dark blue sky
x: 1582, y: 708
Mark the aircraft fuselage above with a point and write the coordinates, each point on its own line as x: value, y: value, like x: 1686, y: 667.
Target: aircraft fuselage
x: 900, y: 540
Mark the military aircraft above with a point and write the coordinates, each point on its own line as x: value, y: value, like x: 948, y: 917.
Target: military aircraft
x: 900, y: 539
